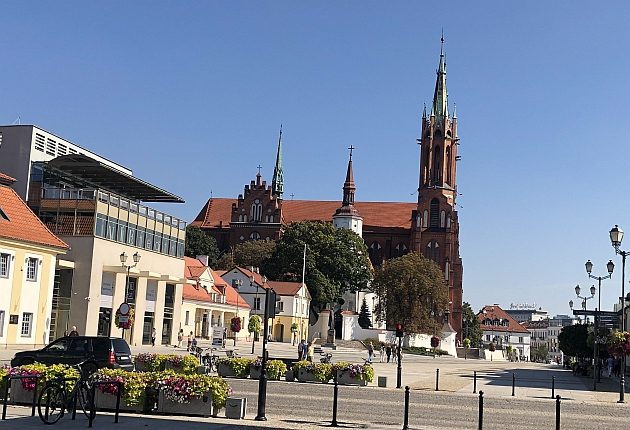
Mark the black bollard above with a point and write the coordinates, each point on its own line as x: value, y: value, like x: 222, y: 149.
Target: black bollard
x: 558, y: 412
x: 513, y: 383
x: 335, y: 398
x: 406, y: 417
x: 553, y: 386
x: 437, y: 379
x: 480, y: 410
x: 475, y: 383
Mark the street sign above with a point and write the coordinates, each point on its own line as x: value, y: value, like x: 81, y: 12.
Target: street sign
x: 598, y: 313
x: 124, y: 308
x: 123, y: 319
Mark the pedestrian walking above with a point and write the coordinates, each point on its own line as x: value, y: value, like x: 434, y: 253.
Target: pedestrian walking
x: 610, y: 363
x: 370, y: 352
x: 153, y: 335
x: 304, y: 349
x: 382, y: 351
x: 180, y: 337
x: 310, y: 352
x: 300, y: 350
x: 193, y: 345
x: 388, y: 351
x: 189, y: 341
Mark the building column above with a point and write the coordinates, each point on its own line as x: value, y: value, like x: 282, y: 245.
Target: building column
x: 141, y: 305
x: 159, y: 312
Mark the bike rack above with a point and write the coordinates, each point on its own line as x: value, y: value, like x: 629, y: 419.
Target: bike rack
x: 7, y: 380
x: 119, y: 385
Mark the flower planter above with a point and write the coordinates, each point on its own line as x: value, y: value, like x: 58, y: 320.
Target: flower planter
x: 198, y: 406
x: 289, y: 376
x: 140, y: 366
x: 225, y: 371
x: 344, y: 378
x: 306, y: 376
x: 254, y: 372
x: 168, y: 365
x: 18, y: 394
x: 108, y: 401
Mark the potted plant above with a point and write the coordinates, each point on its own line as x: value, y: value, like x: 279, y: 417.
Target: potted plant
x: 133, y: 396
x: 310, y: 372
x: 237, y: 367
x: 200, y: 395
x: 22, y: 389
x: 148, y: 362
x: 181, y: 363
x: 353, y: 374
x: 275, y: 369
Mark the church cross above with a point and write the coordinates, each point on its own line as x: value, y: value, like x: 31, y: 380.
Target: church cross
x: 259, y: 167
x: 351, y: 149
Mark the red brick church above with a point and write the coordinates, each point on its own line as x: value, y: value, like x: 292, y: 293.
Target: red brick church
x: 389, y: 229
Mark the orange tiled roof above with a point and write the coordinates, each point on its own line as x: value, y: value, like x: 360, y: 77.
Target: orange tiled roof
x: 6, y: 179
x: 285, y: 288
x: 23, y: 224
x: 217, y: 212
x: 495, y: 312
x: 191, y: 292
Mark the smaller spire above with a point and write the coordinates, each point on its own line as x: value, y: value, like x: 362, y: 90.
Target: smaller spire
x: 277, y: 182
x: 424, y: 111
x: 454, y: 110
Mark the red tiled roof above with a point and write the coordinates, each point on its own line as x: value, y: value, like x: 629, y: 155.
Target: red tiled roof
x: 193, y: 262
x: 495, y: 312
x: 285, y: 288
x: 191, y: 292
x: 6, y: 179
x: 218, y: 212
x: 23, y: 224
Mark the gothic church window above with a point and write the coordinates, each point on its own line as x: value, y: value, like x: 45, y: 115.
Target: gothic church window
x: 376, y: 253
x: 434, y: 218
x: 448, y: 220
x: 448, y: 165
x: 442, y: 219
x: 400, y: 250
x: 254, y: 236
x: 425, y: 219
x: 256, y: 211
x: 437, y: 173
x: 432, y: 251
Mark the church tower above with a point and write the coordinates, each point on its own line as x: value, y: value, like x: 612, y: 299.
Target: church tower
x: 277, y: 182
x: 347, y: 216
x: 436, y: 228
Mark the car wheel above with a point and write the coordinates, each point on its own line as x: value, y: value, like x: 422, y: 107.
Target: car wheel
x: 89, y: 368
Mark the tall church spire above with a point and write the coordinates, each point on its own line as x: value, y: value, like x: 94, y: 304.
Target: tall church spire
x: 347, y: 216
x: 277, y: 183
x: 440, y: 96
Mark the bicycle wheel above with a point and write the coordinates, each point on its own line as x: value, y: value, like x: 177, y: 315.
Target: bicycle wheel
x: 51, y: 404
x: 84, y: 398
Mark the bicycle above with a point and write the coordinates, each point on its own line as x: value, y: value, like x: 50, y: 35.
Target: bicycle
x: 208, y: 359
x: 54, y: 400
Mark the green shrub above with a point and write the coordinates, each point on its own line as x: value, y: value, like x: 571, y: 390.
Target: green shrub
x: 238, y: 365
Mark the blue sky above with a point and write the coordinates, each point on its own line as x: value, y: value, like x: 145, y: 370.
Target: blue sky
x: 190, y: 95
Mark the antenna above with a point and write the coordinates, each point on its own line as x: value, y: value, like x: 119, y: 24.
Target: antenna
x: 17, y: 121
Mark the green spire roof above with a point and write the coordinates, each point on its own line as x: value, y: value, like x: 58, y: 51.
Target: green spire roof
x: 440, y: 97
x: 277, y: 183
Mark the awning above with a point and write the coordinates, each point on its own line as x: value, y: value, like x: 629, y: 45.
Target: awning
x: 105, y: 177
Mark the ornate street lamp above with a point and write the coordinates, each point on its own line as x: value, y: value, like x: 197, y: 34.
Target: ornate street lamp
x: 616, y: 236
x: 123, y: 261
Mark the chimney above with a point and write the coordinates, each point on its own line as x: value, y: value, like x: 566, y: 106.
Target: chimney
x: 204, y: 259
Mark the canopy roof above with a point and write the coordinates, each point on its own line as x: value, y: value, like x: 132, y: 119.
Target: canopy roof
x: 106, y: 177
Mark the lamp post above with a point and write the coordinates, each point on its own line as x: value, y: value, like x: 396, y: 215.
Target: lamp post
x: 262, y: 380
x: 616, y: 236
x: 123, y: 261
x: 251, y: 284
x: 610, y: 266
x: 235, y: 284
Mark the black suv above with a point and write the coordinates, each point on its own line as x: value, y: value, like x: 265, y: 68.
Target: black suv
x: 95, y: 351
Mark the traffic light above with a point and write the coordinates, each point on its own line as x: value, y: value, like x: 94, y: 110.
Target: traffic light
x: 399, y: 330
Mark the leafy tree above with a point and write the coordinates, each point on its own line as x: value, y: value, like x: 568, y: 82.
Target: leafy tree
x: 412, y: 291
x: 200, y: 243
x: 254, y: 324
x: 336, y: 260
x: 226, y: 262
x: 540, y: 353
x: 253, y: 252
x: 470, y: 322
x: 572, y: 341
x: 365, y: 319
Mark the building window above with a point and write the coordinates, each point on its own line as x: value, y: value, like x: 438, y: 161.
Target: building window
x: 39, y: 142
x: 4, y: 265
x: 187, y: 318
x: 488, y: 337
x: 256, y: 303
x: 31, y: 269
x: 433, y: 251
x: 27, y: 320
x: 376, y: 253
x: 520, y: 339
x: 280, y: 306
x: 425, y: 218
x: 254, y: 236
x: 434, y: 219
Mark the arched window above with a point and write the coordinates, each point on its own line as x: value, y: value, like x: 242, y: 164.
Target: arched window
x: 426, y: 166
x: 425, y: 219
x: 256, y: 211
x: 448, y: 220
x: 376, y: 253
x: 442, y: 219
x: 432, y: 251
x: 254, y: 235
x: 434, y: 220
x: 437, y: 165
x: 448, y: 165
x: 400, y: 250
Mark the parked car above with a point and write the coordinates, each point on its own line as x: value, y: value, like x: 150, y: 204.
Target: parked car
x: 96, y: 351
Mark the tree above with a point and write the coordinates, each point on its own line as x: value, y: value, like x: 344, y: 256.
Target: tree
x: 470, y: 322
x: 199, y: 243
x: 254, y: 324
x: 411, y: 291
x: 253, y: 252
x: 226, y: 262
x: 365, y: 319
x: 572, y: 341
x: 336, y: 260
x: 540, y: 353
